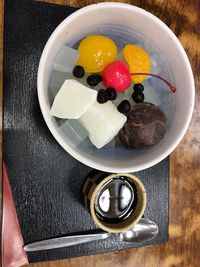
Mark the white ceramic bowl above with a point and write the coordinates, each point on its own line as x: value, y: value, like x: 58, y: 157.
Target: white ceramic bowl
x: 124, y: 23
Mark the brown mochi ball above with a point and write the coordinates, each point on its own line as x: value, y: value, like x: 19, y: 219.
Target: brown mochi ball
x: 145, y: 126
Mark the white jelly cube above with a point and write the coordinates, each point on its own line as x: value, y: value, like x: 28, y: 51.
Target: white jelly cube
x: 78, y: 129
x: 66, y: 59
x: 103, y: 122
x: 155, y: 67
x: 151, y: 93
x: 56, y: 81
x: 72, y: 100
x: 74, y: 131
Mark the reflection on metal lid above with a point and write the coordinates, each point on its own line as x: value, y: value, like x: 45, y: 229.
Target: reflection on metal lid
x: 115, y: 199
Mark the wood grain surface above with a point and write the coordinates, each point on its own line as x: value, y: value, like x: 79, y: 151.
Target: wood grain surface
x: 183, y: 247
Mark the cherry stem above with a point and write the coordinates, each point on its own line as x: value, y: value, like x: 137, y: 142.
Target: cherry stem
x: 153, y: 75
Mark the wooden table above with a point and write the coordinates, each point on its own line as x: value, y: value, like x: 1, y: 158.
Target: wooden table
x: 183, y: 247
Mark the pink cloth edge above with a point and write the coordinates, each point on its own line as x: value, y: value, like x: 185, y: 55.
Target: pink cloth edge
x: 13, y: 254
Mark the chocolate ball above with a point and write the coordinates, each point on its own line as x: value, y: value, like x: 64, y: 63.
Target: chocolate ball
x: 145, y: 126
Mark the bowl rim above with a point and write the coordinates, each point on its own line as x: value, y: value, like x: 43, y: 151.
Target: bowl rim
x: 43, y: 104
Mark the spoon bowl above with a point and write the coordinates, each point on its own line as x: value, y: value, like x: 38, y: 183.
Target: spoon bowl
x: 144, y: 230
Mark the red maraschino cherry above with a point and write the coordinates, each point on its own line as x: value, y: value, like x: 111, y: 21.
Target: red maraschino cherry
x: 117, y: 75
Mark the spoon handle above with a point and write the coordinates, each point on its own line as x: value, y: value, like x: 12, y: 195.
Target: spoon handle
x: 64, y: 241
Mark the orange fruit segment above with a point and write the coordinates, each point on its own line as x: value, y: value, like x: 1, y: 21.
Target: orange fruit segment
x: 138, y: 61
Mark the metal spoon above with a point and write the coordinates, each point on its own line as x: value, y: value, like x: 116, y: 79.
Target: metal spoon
x: 144, y: 230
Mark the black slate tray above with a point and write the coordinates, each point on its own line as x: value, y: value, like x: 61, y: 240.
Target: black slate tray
x: 46, y: 181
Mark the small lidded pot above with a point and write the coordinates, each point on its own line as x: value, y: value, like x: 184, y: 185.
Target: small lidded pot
x: 116, y: 202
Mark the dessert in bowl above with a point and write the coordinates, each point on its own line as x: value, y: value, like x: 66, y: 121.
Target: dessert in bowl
x: 96, y: 125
